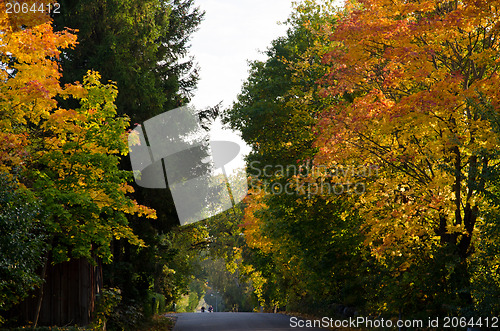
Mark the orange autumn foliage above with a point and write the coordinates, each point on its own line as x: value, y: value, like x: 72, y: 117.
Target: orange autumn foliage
x: 68, y: 157
x: 424, y: 84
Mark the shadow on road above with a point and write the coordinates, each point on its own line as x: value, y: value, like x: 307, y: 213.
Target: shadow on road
x: 235, y: 322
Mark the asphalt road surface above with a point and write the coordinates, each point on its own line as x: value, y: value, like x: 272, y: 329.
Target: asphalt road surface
x: 235, y: 322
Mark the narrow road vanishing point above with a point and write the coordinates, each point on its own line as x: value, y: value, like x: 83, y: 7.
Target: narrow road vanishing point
x: 235, y: 322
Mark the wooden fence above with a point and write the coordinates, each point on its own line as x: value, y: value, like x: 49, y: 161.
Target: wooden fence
x: 69, y: 294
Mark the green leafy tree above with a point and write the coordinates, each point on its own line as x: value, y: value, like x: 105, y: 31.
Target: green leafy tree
x: 304, y: 248
x: 143, y: 47
x: 76, y: 175
x: 22, y: 242
x: 66, y: 157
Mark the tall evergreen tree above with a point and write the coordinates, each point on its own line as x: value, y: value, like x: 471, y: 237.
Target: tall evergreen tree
x: 143, y: 46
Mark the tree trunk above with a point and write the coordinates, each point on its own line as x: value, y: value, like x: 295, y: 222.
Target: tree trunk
x: 40, y: 293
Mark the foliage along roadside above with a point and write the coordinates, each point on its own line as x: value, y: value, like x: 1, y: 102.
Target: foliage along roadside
x: 424, y: 86
x: 67, y: 158
x: 395, y: 95
x: 142, y: 46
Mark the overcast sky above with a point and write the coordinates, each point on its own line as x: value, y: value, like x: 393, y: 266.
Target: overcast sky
x: 233, y: 32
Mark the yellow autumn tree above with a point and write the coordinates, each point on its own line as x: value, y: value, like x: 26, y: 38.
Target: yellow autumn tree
x: 68, y: 157
x: 421, y: 87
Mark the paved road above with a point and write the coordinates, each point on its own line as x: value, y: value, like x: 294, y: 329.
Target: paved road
x: 234, y: 322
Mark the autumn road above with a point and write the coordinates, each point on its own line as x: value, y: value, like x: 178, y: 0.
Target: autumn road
x: 234, y: 322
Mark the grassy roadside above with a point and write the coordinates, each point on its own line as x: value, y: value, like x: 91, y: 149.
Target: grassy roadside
x: 164, y: 322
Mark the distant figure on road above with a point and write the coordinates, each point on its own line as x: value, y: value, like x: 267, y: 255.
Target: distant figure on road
x: 210, y: 309
x: 202, y: 309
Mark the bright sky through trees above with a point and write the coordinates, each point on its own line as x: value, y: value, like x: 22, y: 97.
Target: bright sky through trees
x: 232, y: 33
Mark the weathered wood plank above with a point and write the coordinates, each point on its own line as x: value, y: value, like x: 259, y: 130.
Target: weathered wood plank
x: 69, y: 296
